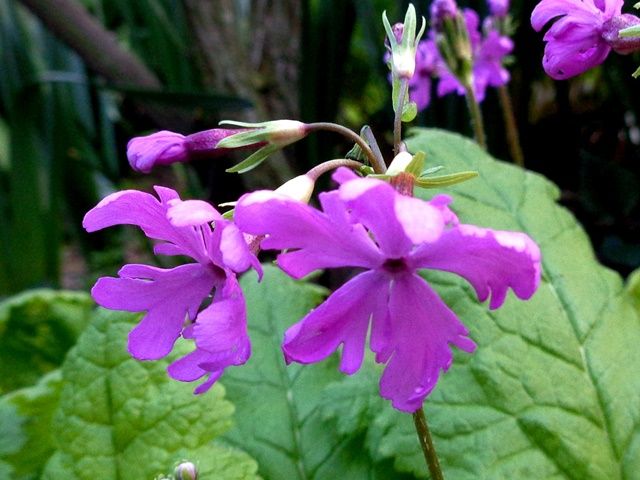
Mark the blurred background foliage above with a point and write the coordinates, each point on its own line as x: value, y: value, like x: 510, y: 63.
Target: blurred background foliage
x: 78, y: 79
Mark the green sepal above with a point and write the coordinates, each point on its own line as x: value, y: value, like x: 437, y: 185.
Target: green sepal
x: 253, y: 160
x: 366, y: 170
x: 445, y: 180
x: 636, y: 74
x: 633, y: 31
x: 356, y: 154
x: 228, y: 215
x: 416, y: 165
x: 244, y: 139
x: 409, y: 111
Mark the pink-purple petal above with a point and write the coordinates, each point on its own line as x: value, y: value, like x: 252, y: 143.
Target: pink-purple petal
x: 186, y: 213
x: 323, y: 240
x: 167, y: 295
x: 423, y: 329
x: 342, y: 319
x: 492, y: 261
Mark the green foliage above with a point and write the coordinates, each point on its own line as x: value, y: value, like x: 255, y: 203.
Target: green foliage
x: 37, y: 328
x: 553, y: 390
x: 278, y: 417
x: 119, y: 418
x: 26, y: 440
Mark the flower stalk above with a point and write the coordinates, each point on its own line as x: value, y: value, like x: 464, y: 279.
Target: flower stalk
x: 377, y: 162
x: 513, y: 138
x: 426, y: 442
x: 475, y: 114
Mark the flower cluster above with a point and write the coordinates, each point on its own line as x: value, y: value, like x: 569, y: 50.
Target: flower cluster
x: 371, y: 222
x: 485, y: 50
x: 365, y: 223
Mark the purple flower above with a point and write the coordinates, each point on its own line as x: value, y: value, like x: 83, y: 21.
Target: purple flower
x: 169, y: 295
x: 498, y: 8
x: 582, y: 36
x: 441, y: 10
x: 367, y: 224
x: 165, y: 147
x: 488, y: 55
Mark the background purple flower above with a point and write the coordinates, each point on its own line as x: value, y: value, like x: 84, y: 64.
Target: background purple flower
x: 575, y: 41
x: 367, y: 224
x: 168, y: 296
x: 488, y: 55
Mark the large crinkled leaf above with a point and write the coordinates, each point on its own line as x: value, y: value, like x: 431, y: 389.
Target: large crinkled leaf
x: 37, y: 328
x: 121, y: 419
x: 553, y: 390
x: 26, y: 441
x: 278, y: 418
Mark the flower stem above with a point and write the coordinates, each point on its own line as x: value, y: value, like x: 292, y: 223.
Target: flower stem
x: 329, y: 165
x: 427, y: 445
x: 377, y: 163
x: 476, y: 116
x: 513, y: 139
x: 397, y: 122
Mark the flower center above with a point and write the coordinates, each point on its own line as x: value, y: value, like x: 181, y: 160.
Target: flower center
x: 395, y: 265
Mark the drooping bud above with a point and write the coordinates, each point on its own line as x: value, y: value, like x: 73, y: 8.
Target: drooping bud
x: 273, y: 135
x: 299, y: 188
x: 165, y: 147
x: 622, y: 33
x: 186, y: 471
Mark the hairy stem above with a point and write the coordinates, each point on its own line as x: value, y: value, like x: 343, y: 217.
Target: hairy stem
x: 377, y: 163
x: 476, y: 116
x: 426, y: 443
x: 513, y: 139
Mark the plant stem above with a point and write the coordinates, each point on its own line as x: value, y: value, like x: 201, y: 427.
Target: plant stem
x: 427, y: 445
x: 329, y: 165
x: 513, y: 139
x: 476, y: 116
x: 397, y: 122
x: 377, y: 163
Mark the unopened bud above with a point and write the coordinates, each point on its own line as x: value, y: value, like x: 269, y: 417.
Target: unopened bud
x: 299, y: 188
x: 403, y: 41
x: 399, y: 163
x: 165, y: 147
x: 186, y: 471
x: 160, y: 148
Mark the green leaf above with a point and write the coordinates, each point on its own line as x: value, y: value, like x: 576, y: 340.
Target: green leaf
x: 123, y: 419
x: 409, y: 111
x: 37, y: 328
x: 26, y: 441
x: 553, y: 389
x: 278, y: 416
x: 633, y: 288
